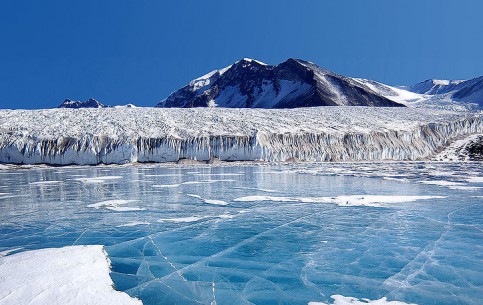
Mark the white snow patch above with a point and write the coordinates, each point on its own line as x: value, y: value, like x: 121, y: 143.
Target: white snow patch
x: 443, y: 82
x: 208, y: 201
x: 475, y: 179
x: 254, y: 60
x: 182, y: 219
x: 266, y: 198
x: 443, y: 183
x: 166, y: 185
x: 221, y: 174
x: 74, y: 275
x: 256, y: 189
x: 134, y: 223
x: 207, y: 181
x: 190, y: 183
x: 225, y: 216
x: 195, y: 218
x: 465, y: 188
x: 100, y: 179
x: 45, y: 182
x: 352, y: 200
x: 212, y: 104
x: 396, y: 179
x: 342, y: 300
x: 114, y: 205
x: 215, y: 201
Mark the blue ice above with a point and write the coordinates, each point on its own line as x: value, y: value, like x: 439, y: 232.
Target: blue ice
x: 176, y: 234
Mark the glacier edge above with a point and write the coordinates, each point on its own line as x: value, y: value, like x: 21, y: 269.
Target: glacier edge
x: 228, y: 135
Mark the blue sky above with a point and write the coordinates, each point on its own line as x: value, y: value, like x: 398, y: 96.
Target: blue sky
x: 124, y: 51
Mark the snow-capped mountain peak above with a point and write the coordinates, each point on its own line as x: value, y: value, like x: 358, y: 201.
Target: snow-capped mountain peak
x: 470, y: 91
x: 90, y: 103
x: 253, y: 60
x: 249, y: 83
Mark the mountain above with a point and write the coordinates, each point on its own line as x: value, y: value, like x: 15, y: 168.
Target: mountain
x: 458, y: 90
x: 433, y: 86
x: 90, y: 103
x: 294, y: 83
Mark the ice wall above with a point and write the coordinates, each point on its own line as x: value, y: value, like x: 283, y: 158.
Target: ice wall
x: 119, y: 136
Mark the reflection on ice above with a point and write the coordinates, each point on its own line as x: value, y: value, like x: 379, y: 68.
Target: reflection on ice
x: 342, y: 300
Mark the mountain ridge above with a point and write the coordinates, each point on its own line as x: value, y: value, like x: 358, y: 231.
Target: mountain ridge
x: 90, y: 103
x: 470, y: 90
x: 294, y: 83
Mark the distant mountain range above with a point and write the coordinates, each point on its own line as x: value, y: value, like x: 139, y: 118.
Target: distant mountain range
x: 90, y: 103
x: 459, y: 90
x: 249, y: 83
x: 294, y: 83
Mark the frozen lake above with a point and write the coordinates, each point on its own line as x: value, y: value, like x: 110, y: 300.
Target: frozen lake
x: 257, y: 234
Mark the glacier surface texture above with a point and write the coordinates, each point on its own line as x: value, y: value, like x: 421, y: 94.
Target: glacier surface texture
x: 323, y: 233
x: 127, y: 135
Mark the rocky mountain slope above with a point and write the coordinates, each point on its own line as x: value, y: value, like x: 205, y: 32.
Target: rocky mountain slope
x: 294, y: 83
x: 90, y: 103
x: 470, y: 91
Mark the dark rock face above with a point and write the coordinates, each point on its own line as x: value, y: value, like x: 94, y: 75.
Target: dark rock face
x: 475, y: 149
x: 90, y: 103
x: 473, y: 87
x: 291, y: 84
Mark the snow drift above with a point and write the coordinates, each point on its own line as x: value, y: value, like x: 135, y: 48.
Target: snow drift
x: 63, y: 276
x: 114, y: 135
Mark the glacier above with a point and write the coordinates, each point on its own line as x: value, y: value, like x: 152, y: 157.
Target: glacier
x: 130, y: 135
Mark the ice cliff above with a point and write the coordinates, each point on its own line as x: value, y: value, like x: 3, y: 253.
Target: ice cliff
x: 115, y: 135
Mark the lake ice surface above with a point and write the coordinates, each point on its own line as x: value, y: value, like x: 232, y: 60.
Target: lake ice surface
x: 258, y: 234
